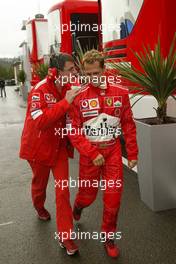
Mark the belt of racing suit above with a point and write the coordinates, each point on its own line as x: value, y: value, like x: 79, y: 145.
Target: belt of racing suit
x: 104, y: 144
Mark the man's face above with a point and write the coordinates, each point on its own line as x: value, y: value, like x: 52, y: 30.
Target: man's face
x: 94, y: 73
x: 68, y: 72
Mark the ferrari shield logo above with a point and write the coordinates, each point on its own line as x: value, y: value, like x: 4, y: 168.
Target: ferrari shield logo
x: 108, y: 101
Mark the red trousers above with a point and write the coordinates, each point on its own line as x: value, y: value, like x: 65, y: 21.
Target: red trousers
x: 40, y: 178
x: 112, y: 176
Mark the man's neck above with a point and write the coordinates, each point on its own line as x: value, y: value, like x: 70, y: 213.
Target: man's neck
x: 103, y: 86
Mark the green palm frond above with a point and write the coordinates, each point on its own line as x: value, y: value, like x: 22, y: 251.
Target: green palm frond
x: 137, y: 100
x: 42, y: 70
x: 157, y: 76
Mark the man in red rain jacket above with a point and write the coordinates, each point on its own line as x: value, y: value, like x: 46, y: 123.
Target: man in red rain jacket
x: 43, y: 146
x: 98, y: 114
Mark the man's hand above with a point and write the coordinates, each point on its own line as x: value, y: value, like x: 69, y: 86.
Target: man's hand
x: 132, y: 163
x: 71, y: 94
x: 99, y: 160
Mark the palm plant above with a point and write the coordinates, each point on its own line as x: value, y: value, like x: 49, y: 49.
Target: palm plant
x: 157, y: 76
x: 42, y: 70
x: 79, y: 56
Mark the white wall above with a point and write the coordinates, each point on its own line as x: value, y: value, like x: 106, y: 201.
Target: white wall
x: 171, y: 107
x: 144, y: 107
x: 42, y: 38
x: 114, y: 12
x: 54, y: 28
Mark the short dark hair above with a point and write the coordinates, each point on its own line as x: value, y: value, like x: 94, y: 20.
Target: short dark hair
x: 58, y: 60
x: 92, y: 56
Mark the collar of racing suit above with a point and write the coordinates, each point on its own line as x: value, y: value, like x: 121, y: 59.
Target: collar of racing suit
x: 100, y: 90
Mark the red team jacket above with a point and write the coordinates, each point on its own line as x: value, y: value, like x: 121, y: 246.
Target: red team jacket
x: 45, y: 116
x: 102, y: 113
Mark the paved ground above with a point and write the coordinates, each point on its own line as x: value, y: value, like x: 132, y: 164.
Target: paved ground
x: 147, y: 237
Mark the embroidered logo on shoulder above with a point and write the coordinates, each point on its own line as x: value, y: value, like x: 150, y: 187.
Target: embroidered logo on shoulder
x: 118, y: 101
x: 35, y: 105
x: 36, y: 97
x: 90, y: 113
x: 35, y: 114
x: 49, y: 98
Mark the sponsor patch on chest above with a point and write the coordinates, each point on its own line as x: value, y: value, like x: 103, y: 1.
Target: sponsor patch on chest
x: 89, y: 104
x: 104, y: 127
x: 108, y: 101
x: 117, y: 112
x: 90, y: 113
x: 113, y: 101
x: 117, y: 101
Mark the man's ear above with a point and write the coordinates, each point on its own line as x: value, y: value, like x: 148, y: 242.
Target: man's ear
x: 53, y: 73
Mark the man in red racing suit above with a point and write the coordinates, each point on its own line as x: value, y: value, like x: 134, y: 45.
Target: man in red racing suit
x: 98, y: 114
x: 43, y: 146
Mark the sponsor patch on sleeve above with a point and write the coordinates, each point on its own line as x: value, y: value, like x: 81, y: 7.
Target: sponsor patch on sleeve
x: 35, y: 106
x: 35, y: 114
x: 49, y: 98
x: 36, y: 97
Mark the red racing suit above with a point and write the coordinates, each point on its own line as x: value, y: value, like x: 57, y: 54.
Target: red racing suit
x: 102, y: 113
x: 45, y: 149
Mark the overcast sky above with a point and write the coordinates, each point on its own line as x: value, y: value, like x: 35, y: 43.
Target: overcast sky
x: 12, y: 13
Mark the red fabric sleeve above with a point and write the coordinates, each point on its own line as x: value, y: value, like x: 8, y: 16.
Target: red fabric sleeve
x: 43, y: 116
x: 129, y: 129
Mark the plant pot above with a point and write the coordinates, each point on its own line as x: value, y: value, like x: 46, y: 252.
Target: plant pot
x: 157, y: 165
